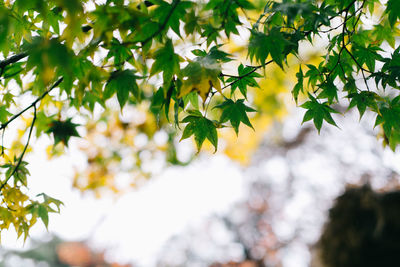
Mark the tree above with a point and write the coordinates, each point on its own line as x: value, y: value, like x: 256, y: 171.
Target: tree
x: 71, y: 57
x: 368, y: 229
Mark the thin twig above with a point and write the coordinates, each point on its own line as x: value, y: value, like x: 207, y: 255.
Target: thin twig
x: 360, y: 67
x: 12, y: 59
x: 247, y: 74
x: 15, y: 58
x: 161, y: 28
x: 23, y: 152
x: 3, y: 126
x: 33, y: 104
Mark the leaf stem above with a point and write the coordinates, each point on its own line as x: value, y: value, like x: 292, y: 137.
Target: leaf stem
x: 247, y: 74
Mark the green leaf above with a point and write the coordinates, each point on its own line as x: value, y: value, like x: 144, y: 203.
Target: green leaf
x: 63, y: 131
x: 4, y: 114
x: 389, y: 118
x: 245, y: 4
x: 122, y: 83
x: 299, y: 85
x: 276, y: 45
x: 235, y: 112
x: 218, y: 55
x: 157, y: 101
x: 385, y: 32
x: 166, y: 61
x: 367, y: 55
x: 313, y: 74
x: 329, y: 91
x: 119, y: 52
x: 49, y: 201
x: 257, y: 47
x: 318, y: 112
x: 244, y: 79
x: 21, y: 173
x: 193, y: 98
x: 42, y: 123
x: 191, y: 23
x: 393, y: 11
x: 363, y: 100
x: 146, y: 32
x: 172, y: 13
x: 170, y: 92
x: 292, y: 10
x: 201, y: 128
x: 43, y: 214
x: 13, y: 69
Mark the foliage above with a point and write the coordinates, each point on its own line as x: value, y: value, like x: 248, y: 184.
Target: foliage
x: 72, y: 56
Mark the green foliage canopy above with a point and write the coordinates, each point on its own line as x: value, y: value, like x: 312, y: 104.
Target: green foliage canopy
x: 81, y: 53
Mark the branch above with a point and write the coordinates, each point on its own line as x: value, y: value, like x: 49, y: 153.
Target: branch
x: 346, y: 9
x: 247, y: 74
x: 12, y: 59
x: 23, y: 152
x: 3, y: 126
x: 33, y: 104
x: 344, y: 48
x: 15, y: 58
x: 360, y: 67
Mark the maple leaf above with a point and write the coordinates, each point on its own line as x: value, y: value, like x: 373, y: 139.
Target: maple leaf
x: 393, y: 9
x: 244, y: 79
x: 166, y: 61
x: 201, y: 128
x: 43, y: 214
x: 4, y: 114
x: 329, y: 91
x: 368, y: 55
x: 121, y: 82
x: 192, y: 23
x: 384, y: 32
x: 274, y: 43
x: 318, y: 112
x: 119, y: 52
x: 363, y: 100
x: 164, y: 10
x: 299, y: 85
x: 389, y: 118
x: 63, y: 130
x: 235, y: 112
x: 201, y: 75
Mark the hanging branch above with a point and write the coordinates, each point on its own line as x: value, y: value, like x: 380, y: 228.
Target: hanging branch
x: 23, y: 152
x: 3, y: 126
x: 15, y: 58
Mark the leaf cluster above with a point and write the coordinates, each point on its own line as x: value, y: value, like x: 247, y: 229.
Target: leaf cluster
x: 171, y: 59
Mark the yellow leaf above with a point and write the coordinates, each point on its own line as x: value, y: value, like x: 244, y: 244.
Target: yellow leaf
x: 203, y: 88
x: 201, y: 77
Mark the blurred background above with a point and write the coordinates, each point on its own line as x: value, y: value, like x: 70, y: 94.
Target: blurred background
x: 264, y: 208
